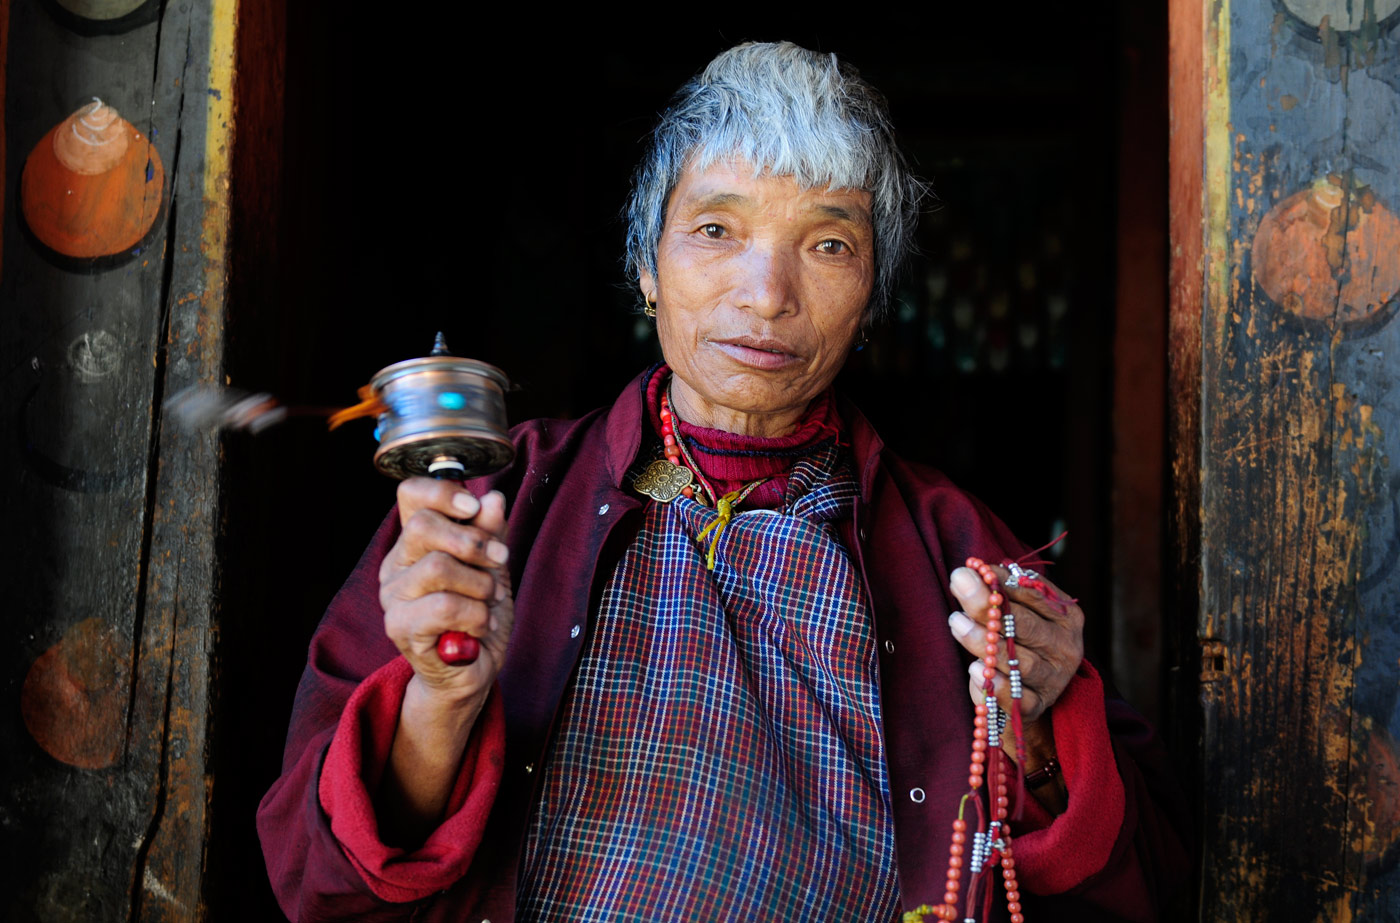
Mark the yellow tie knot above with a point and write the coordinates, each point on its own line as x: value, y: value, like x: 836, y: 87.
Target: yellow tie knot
x: 724, y: 510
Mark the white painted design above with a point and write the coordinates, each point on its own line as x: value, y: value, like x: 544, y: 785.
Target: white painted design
x: 1342, y: 15
x: 94, y: 355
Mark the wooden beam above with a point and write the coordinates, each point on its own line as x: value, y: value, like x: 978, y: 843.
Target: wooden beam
x: 1298, y: 410
x: 112, y: 603
x: 1186, y: 273
x: 178, y: 628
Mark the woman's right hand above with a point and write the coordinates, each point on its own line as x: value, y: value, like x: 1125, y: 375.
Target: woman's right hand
x: 447, y: 573
x: 441, y: 575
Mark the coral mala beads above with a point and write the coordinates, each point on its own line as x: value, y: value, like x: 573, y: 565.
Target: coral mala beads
x: 670, y: 444
x: 975, y: 863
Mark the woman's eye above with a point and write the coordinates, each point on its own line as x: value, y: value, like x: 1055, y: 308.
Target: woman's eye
x: 833, y: 247
x: 712, y: 231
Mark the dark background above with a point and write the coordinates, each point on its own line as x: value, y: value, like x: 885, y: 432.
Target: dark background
x: 393, y: 178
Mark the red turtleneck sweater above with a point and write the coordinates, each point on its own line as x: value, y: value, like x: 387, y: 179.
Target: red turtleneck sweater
x: 730, y: 461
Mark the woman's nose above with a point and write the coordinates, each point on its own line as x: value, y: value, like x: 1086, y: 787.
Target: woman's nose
x: 767, y: 285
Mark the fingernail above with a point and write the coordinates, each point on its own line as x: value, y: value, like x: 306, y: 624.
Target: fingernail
x: 497, y: 552
x: 960, y: 624
x: 964, y: 582
x: 500, y: 592
x: 466, y: 504
x: 494, y: 624
x: 974, y: 669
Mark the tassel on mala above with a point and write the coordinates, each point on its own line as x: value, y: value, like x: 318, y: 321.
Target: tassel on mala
x: 1030, y: 580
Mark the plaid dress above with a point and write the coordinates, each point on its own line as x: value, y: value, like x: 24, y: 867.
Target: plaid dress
x: 719, y: 755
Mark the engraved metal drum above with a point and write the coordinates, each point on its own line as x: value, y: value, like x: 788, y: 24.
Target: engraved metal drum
x: 442, y: 409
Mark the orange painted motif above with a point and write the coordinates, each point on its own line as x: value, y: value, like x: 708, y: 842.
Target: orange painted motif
x: 74, y: 698
x: 1381, y: 759
x: 92, y: 186
x: 1324, y: 254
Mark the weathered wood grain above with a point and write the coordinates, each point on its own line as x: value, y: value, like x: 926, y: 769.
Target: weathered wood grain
x: 112, y: 515
x: 1186, y: 276
x: 1299, y: 416
x: 74, y: 492
x: 186, y: 510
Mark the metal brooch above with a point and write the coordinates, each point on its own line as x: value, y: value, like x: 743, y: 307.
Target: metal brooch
x: 663, y: 481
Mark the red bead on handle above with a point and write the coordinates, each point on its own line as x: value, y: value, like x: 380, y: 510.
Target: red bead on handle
x: 457, y: 648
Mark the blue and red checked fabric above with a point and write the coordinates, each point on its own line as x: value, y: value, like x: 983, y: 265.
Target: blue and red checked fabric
x: 720, y: 756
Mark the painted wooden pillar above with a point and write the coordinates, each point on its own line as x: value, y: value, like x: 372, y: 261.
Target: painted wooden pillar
x: 1286, y: 367
x: 108, y: 517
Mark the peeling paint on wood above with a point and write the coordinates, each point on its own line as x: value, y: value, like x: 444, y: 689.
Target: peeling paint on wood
x: 1300, y: 412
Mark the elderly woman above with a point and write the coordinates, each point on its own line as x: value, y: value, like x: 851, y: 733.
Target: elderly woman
x: 724, y: 669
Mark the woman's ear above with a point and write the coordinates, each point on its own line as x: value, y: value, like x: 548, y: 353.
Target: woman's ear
x: 647, y: 283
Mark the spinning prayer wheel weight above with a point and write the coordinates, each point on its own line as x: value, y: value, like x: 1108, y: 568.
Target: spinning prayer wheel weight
x: 445, y: 417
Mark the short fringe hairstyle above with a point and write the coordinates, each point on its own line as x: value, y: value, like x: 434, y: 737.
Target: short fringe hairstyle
x: 790, y: 112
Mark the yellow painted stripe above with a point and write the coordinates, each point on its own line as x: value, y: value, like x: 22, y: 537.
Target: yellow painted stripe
x: 218, y: 146
x: 1218, y: 162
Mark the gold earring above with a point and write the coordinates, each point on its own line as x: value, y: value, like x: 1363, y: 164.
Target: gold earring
x: 650, y: 309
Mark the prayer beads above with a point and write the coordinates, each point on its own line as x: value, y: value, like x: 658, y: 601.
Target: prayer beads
x: 990, y: 845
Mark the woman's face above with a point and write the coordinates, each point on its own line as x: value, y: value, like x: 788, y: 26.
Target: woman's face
x: 760, y: 290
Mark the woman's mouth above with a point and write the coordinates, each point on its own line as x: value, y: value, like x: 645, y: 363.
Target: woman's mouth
x: 764, y: 354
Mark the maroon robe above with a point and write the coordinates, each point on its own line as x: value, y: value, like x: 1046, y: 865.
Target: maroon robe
x: 1113, y: 855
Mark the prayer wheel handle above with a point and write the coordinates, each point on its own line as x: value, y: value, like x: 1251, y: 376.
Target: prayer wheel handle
x: 455, y: 648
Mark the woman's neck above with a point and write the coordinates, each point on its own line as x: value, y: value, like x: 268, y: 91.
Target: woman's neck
x: 695, y: 410
x: 730, y: 461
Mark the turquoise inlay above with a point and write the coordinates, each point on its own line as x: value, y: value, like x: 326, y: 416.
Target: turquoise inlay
x: 451, y: 400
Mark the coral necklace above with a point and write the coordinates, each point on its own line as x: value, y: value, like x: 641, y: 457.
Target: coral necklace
x: 725, y: 505
x: 991, y: 841
x: 671, y: 445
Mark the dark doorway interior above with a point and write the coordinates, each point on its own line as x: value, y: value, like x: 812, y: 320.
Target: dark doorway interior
x: 398, y: 176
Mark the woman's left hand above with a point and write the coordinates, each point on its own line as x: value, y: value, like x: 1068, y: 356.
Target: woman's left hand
x: 1049, y: 647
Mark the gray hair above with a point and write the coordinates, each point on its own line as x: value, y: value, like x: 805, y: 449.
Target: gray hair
x: 791, y: 112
